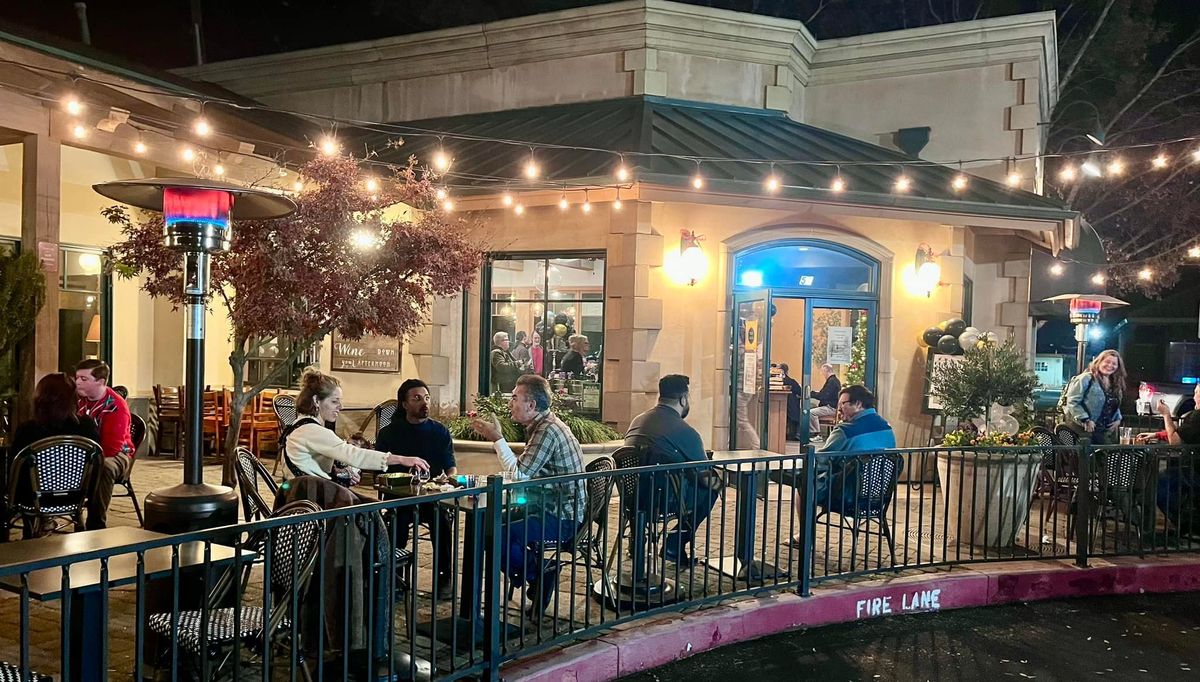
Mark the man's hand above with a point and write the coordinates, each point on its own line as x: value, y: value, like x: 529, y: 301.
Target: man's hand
x: 1164, y: 409
x: 1144, y: 438
x: 1089, y: 426
x: 488, y: 427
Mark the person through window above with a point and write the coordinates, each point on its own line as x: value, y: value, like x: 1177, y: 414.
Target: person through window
x: 827, y: 399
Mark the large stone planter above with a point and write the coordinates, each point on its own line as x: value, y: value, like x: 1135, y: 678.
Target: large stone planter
x: 987, y: 494
x: 477, y: 457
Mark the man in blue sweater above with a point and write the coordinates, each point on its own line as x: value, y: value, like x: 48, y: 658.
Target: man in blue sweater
x: 861, y: 429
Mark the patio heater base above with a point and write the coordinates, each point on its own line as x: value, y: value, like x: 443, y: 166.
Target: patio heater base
x: 653, y: 590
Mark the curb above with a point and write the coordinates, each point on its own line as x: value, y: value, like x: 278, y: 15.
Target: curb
x: 660, y: 640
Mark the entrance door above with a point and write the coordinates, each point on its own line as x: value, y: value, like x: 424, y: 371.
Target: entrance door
x: 749, y: 370
x: 806, y: 334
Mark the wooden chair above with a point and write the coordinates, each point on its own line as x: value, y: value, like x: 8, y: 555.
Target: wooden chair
x: 168, y: 403
x: 264, y: 427
x: 213, y: 418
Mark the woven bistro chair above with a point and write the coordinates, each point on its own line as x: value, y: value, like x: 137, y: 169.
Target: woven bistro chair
x: 12, y: 673
x: 284, y: 406
x: 250, y: 472
x: 50, y: 480
x: 875, y: 484
x: 137, y: 434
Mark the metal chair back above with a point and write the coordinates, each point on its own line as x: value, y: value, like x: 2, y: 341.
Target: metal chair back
x: 385, y: 412
x: 877, y: 476
x: 1120, y: 468
x: 294, y: 548
x: 1044, y: 439
x: 599, y: 489
x: 284, y: 406
x: 59, y: 471
x: 137, y: 431
x: 1065, y: 435
x: 249, y: 472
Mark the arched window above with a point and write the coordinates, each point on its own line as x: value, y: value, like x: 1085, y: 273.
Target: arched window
x: 806, y: 265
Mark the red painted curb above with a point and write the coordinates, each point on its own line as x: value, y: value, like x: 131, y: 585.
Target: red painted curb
x: 673, y: 636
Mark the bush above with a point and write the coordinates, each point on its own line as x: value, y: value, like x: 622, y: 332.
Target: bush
x: 586, y: 430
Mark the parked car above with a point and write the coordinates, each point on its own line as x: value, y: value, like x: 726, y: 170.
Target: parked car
x: 1177, y: 396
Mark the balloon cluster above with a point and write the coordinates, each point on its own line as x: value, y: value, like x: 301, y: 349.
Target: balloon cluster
x: 1003, y: 421
x: 953, y: 336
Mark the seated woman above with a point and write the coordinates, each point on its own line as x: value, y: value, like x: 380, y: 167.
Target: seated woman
x: 53, y: 415
x: 313, y: 450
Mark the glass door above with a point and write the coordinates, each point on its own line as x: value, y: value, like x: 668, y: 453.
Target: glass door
x: 840, y: 335
x: 749, y: 370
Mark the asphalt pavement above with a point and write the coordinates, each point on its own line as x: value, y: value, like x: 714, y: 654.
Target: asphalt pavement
x: 1144, y: 637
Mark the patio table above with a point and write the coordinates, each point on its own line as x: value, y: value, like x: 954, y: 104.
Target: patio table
x: 88, y: 611
x: 748, y: 475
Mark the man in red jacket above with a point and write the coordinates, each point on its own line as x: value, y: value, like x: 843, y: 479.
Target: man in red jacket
x: 111, y: 414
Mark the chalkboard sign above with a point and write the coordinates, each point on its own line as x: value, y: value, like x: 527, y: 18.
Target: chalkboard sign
x: 933, y: 405
x: 371, y: 353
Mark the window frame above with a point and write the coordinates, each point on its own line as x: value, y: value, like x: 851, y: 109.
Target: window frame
x: 871, y: 264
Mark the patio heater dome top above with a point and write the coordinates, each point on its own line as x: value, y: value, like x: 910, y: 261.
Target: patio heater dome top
x: 251, y: 203
x: 1106, y: 301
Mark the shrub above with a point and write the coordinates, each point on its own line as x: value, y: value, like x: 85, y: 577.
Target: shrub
x: 585, y: 429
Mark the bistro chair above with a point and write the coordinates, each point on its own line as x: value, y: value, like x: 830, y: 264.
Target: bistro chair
x: 284, y: 407
x: 294, y: 549
x: 381, y: 416
x: 12, y: 673
x: 250, y: 472
x: 644, y: 521
x: 585, y: 548
x: 51, y: 479
x: 1116, y: 493
x: 170, y: 418
x: 137, y: 434
x: 875, y: 477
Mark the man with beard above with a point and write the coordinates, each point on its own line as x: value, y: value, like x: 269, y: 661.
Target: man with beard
x: 667, y: 439
x: 416, y: 435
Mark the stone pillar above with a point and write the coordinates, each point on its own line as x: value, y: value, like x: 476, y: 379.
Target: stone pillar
x: 435, y: 350
x: 40, y: 189
x: 632, y: 318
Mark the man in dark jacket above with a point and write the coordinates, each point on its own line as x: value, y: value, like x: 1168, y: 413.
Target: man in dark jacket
x: 668, y: 439
x: 826, y: 398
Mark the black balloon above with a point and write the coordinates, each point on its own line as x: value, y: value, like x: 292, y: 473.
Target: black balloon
x: 932, y: 336
x: 956, y: 326
x: 948, y: 345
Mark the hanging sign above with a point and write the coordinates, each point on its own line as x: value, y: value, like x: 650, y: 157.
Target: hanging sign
x: 371, y: 353
x: 751, y: 335
x: 749, y: 372
x: 838, y: 341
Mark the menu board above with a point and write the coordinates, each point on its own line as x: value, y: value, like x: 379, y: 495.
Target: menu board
x: 371, y: 353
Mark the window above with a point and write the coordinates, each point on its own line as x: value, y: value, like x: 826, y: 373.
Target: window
x: 266, y: 354
x: 552, y: 311
x: 805, y: 266
x: 82, y: 298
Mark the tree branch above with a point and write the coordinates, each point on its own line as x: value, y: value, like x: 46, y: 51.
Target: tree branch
x: 1143, y: 196
x: 1179, y: 49
x: 1087, y: 42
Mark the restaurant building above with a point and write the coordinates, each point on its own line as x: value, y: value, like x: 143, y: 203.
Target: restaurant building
x: 655, y: 124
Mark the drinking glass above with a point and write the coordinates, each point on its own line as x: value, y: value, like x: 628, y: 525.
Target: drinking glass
x: 1126, y: 435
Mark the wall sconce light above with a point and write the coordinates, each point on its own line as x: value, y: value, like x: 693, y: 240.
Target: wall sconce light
x: 692, y: 263
x: 928, y: 272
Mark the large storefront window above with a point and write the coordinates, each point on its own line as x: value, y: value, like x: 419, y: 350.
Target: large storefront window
x: 552, y: 311
x: 267, y: 354
x: 82, y: 301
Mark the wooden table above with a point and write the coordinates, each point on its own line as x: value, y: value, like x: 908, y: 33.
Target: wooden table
x: 87, y: 657
x: 748, y: 475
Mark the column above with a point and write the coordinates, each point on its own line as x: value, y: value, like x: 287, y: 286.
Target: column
x: 40, y: 189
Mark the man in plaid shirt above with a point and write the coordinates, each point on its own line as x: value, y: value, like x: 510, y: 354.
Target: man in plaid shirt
x: 552, y: 511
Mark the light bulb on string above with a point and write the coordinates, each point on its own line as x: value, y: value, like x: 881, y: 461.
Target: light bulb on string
x: 188, y: 154
x: 531, y: 170
x: 139, y: 147
x: 1013, y: 179
x: 519, y: 209
x: 586, y: 206
x: 1067, y: 173
x: 219, y: 170
x: 441, y: 194
x: 1115, y: 167
x: 838, y: 185
x: 1091, y: 169
x: 329, y: 145
x: 1196, y: 156
x: 1098, y: 279
x: 563, y: 204
x: 772, y: 182
x: 202, y: 127
x: 1145, y: 274
x: 441, y: 161
x: 79, y: 131
x: 903, y: 183
x: 448, y: 205
x: 1194, y: 252
x: 372, y: 185
x: 72, y: 105
x: 507, y: 199
x: 622, y: 171
x: 1056, y: 269
x: 1159, y: 162
x: 616, y: 204
x: 960, y: 182
x: 297, y: 186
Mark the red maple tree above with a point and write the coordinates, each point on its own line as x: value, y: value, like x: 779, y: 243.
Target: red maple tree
x: 343, y: 261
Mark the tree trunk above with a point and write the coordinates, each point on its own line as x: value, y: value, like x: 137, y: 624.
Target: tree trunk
x: 237, y: 406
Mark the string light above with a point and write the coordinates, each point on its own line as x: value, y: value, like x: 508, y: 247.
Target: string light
x: 1098, y: 278
x: 960, y: 182
x: 79, y: 131
x: 1013, y: 179
x: 903, y: 184
x: 1145, y: 274
x: 622, y: 172
x: 1194, y: 252
x: 441, y: 161
x: 188, y: 154
x: 72, y: 105
x: 838, y: 185
x: 1091, y: 168
x: 1196, y: 156
x: 329, y: 145
x: 441, y: 194
x: 448, y: 205
x: 219, y: 170
x: 507, y: 199
x: 772, y: 181
x: 1116, y: 167
x: 139, y: 147
x: 372, y: 185
x: 586, y: 207
x: 297, y: 185
x: 531, y: 167
x: 519, y: 209
x: 1067, y: 173
x: 202, y: 128
x: 617, y: 204
x: 1159, y: 162
x: 1056, y: 269
x: 563, y: 204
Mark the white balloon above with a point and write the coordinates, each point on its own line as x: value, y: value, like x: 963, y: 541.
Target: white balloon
x: 972, y: 330
x: 1006, y: 424
x: 968, y: 339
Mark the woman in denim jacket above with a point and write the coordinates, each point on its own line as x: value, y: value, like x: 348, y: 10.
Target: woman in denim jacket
x: 1092, y: 402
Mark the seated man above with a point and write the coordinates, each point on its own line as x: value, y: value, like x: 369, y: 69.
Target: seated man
x: 826, y: 398
x: 862, y: 429
x: 670, y: 440
x: 111, y: 414
x: 552, y: 511
x: 416, y: 435
x: 1178, y: 484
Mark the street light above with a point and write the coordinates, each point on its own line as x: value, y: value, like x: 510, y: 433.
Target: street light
x: 197, y: 214
x: 1085, y: 310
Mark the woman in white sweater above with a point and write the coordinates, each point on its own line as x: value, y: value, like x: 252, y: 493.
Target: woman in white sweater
x: 312, y: 449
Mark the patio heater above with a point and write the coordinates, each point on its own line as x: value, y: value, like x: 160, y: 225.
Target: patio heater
x: 1085, y: 311
x: 197, y: 214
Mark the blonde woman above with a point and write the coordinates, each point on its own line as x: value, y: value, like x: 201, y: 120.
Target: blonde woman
x: 1092, y: 402
x: 313, y: 450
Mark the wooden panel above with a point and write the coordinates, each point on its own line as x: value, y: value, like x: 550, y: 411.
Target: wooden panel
x: 371, y: 353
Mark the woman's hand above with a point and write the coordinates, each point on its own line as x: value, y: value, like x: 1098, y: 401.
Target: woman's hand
x: 1163, y: 408
x: 1144, y: 438
x: 488, y: 427
x: 414, y: 462
x: 1089, y: 426
x: 352, y: 474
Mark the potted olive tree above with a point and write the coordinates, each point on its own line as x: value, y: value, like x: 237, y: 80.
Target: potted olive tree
x: 988, y: 478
